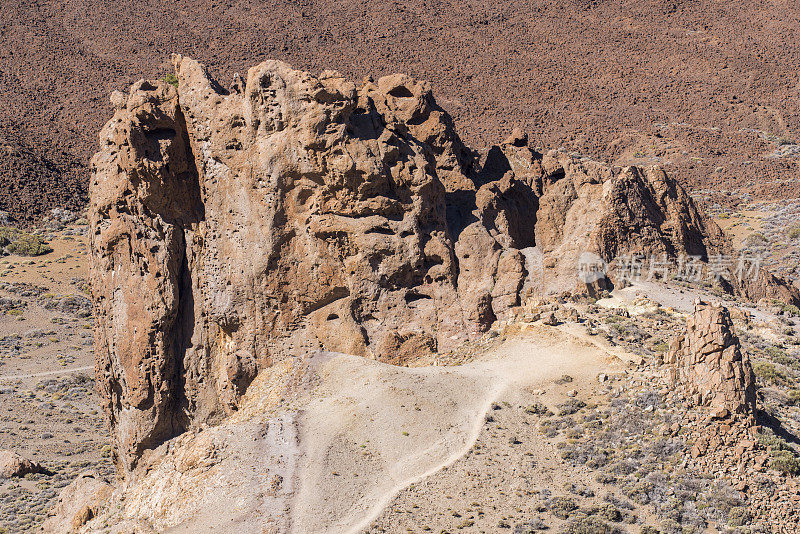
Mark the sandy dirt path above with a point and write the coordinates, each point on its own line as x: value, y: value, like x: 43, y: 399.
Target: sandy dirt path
x: 371, y: 429
x: 47, y: 373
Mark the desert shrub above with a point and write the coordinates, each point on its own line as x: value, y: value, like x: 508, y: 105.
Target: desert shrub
x: 22, y: 243
x: 782, y: 457
x: 660, y: 347
x: 570, y: 407
x: 562, y: 507
x: 588, y: 525
x: 755, y: 240
x: 768, y: 373
x: 789, y: 309
x: 610, y: 512
x: 530, y: 527
x: 770, y: 440
x: 170, y: 79
x: 786, y: 462
x: 794, y: 232
x: 782, y: 357
x: 738, y: 516
x: 605, y: 478
x: 639, y: 492
x: 537, y: 408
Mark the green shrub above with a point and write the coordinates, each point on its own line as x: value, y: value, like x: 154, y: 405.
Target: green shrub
x: 782, y: 457
x: 739, y: 516
x: 611, y: 513
x: 588, y: 525
x: 22, y: 243
x: 170, y: 79
x: 794, y: 232
x: 755, y: 240
x: 537, y: 408
x: 562, y: 507
x: 786, y: 462
x: 782, y: 357
x: 768, y: 373
x: 789, y: 309
x: 660, y: 347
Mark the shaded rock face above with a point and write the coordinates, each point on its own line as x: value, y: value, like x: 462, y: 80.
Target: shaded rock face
x: 235, y: 228
x: 708, y: 364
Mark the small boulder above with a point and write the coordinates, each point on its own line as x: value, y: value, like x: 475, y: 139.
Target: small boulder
x: 550, y: 319
x: 13, y: 465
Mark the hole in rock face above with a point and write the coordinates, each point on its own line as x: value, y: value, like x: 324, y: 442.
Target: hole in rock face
x: 380, y: 230
x: 332, y: 317
x: 401, y: 92
x: 413, y: 296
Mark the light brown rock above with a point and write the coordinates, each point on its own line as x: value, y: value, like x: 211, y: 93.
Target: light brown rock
x: 13, y: 465
x: 78, y: 504
x: 708, y: 365
x: 232, y: 229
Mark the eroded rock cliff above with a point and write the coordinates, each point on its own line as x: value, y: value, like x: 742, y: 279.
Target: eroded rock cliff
x: 236, y: 228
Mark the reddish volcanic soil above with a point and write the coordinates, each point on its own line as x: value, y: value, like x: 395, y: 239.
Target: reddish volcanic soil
x: 708, y: 88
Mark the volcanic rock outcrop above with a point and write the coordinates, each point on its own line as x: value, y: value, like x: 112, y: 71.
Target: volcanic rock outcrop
x: 14, y: 465
x: 707, y: 362
x: 78, y: 503
x: 235, y: 228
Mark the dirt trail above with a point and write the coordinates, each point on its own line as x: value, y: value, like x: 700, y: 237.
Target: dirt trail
x: 371, y: 430
x: 352, y: 436
x: 47, y: 373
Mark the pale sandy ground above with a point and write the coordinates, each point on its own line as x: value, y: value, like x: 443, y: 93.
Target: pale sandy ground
x: 371, y: 430
x: 356, y: 433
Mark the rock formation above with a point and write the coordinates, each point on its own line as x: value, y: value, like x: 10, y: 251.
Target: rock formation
x: 708, y: 365
x: 232, y: 229
x: 14, y: 465
x: 78, y: 504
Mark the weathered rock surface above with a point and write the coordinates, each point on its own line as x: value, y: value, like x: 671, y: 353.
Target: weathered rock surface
x: 232, y: 229
x: 78, y: 504
x: 707, y: 362
x: 13, y: 465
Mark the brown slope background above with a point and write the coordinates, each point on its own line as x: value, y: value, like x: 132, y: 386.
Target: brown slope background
x: 709, y: 89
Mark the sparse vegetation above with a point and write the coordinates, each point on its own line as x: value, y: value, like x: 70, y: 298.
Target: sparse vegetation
x: 22, y: 243
x: 769, y: 373
x: 562, y: 507
x: 170, y: 79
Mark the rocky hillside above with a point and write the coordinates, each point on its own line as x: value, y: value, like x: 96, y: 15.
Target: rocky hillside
x: 234, y: 228
x: 706, y: 88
